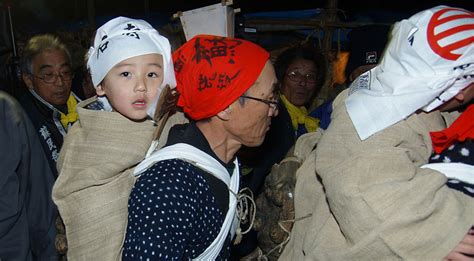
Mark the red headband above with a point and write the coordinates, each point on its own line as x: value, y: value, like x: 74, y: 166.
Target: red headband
x: 212, y: 72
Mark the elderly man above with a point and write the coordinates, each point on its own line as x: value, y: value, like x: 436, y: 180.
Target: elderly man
x: 183, y: 205
x: 375, y: 200
x: 50, y: 104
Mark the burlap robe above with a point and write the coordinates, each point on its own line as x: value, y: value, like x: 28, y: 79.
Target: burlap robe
x: 370, y: 201
x: 92, y: 190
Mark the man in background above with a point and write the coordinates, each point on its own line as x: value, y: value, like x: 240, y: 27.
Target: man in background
x: 50, y: 104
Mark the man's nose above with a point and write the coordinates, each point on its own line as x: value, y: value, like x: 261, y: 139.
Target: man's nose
x: 302, y: 81
x: 59, y: 79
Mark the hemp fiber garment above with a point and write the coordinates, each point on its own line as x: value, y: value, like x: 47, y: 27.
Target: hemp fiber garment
x: 92, y: 190
x: 375, y: 202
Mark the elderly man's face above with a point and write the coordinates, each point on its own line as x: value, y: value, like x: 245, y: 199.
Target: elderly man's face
x: 299, y: 83
x: 250, y: 122
x: 51, y: 64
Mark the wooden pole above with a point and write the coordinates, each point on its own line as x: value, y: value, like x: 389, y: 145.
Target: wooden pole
x: 299, y: 24
x: 330, y: 18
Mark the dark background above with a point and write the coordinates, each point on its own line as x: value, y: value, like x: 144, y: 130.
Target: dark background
x: 75, y: 20
x: 38, y: 14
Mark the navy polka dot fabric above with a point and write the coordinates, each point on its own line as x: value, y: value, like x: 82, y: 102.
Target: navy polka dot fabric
x: 458, y: 152
x: 173, y: 214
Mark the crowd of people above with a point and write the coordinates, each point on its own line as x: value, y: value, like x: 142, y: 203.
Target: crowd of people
x: 162, y: 154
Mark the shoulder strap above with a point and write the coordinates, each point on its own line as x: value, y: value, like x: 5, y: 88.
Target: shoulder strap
x: 202, y: 160
x: 188, y: 153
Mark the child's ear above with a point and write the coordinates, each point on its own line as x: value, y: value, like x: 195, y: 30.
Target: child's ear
x: 99, y: 90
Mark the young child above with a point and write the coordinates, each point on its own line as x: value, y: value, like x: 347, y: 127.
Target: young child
x: 130, y: 64
x: 453, y: 155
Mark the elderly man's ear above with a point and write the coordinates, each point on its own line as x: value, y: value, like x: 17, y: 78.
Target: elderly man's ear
x: 225, y: 114
x: 27, y: 80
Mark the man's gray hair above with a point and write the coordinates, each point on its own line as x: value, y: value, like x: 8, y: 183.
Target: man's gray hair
x: 38, y: 44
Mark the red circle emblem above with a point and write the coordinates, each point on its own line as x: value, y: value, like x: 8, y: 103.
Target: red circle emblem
x: 447, y: 51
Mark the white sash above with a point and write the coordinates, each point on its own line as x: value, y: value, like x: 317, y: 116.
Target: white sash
x: 454, y: 170
x: 202, y: 160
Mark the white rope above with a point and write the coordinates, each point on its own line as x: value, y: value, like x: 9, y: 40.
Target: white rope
x: 246, y: 207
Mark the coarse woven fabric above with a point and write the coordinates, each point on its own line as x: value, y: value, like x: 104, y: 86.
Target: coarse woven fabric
x: 92, y: 190
x: 370, y: 200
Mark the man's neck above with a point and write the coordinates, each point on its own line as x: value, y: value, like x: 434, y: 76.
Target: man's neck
x: 223, y: 146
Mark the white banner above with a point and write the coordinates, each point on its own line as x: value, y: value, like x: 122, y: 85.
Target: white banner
x: 217, y: 19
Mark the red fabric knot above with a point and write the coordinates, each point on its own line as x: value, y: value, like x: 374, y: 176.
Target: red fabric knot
x: 460, y: 130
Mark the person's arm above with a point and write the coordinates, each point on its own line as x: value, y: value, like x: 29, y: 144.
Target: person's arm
x: 12, y: 190
x: 26, y: 208
x: 383, y: 202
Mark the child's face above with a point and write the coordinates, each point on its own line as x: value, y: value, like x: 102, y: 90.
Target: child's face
x: 132, y: 85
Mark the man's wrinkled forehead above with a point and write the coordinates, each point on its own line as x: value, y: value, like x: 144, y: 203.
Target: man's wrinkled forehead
x: 46, y: 66
x: 45, y: 61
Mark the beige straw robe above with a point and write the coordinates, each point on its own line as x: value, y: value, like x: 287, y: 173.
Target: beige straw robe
x: 376, y: 203
x: 92, y: 190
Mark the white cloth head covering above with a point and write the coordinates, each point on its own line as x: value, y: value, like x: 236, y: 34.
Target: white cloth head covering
x: 122, y: 38
x: 429, y: 59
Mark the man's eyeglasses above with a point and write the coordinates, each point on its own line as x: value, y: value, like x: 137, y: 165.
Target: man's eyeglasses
x: 273, y: 103
x: 297, y: 77
x: 53, y: 77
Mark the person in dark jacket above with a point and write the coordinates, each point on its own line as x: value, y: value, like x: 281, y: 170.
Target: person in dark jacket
x: 186, y: 201
x: 50, y: 104
x: 27, y: 212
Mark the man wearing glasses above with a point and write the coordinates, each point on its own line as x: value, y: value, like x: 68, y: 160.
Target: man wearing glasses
x: 190, y: 188
x: 50, y: 104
